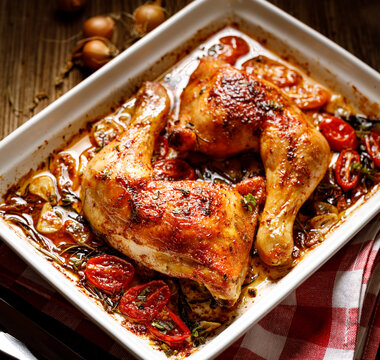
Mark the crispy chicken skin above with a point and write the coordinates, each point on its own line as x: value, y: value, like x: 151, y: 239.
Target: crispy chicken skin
x: 187, y: 229
x: 225, y: 111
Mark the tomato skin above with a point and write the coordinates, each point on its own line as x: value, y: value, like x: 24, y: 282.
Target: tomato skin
x: 272, y: 71
x: 233, y: 48
x: 338, y: 133
x: 372, y: 144
x: 343, y: 173
x: 142, y: 303
x: 173, y: 170
x: 109, y: 273
x: 175, y: 336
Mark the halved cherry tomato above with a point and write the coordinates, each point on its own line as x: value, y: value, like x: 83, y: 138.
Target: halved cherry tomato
x: 168, y: 327
x: 173, y: 170
x: 109, y: 273
x: 272, y: 70
x: 233, y: 48
x: 346, y: 178
x: 338, y: 133
x: 160, y: 148
x: 142, y: 303
x: 307, y: 96
x: 372, y: 144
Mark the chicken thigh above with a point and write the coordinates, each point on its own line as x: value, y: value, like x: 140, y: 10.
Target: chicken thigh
x: 225, y: 111
x: 187, y: 229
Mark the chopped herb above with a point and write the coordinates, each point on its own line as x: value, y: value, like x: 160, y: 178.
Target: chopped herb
x: 67, y: 200
x: 76, y: 247
x: 163, y: 326
x: 156, y: 195
x: 271, y: 105
x: 368, y: 173
x: 195, y: 332
x: 142, y: 298
x: 185, y: 192
x: 168, y: 350
x: 26, y: 191
x: 106, y: 174
x: 52, y: 199
x: 117, y: 148
x: 249, y: 202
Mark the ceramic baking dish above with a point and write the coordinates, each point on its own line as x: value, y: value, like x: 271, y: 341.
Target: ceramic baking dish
x: 32, y: 143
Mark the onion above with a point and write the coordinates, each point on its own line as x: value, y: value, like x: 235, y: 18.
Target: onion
x: 95, y: 54
x: 71, y: 6
x: 324, y: 208
x: 324, y: 222
x: 99, y: 26
x: 147, y: 17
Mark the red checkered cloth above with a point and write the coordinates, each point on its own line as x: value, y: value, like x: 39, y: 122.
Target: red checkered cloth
x: 335, y: 314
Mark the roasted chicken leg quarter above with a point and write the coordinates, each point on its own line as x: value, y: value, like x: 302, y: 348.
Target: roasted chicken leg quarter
x: 225, y: 111
x: 187, y: 229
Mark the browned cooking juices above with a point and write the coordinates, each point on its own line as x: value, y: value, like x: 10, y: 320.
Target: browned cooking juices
x: 46, y: 205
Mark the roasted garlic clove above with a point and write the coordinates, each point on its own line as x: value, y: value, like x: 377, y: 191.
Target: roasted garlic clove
x: 48, y: 222
x: 44, y: 187
x: 324, y: 222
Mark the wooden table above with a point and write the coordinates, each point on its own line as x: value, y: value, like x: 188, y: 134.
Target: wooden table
x: 36, y: 40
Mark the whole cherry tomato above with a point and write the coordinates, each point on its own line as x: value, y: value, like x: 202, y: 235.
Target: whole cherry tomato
x: 109, y: 273
x: 168, y: 327
x: 338, y: 133
x: 372, y: 144
x: 173, y: 170
x: 345, y: 176
x: 142, y: 303
x: 233, y: 48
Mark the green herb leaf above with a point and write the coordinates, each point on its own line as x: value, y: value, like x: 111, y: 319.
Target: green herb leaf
x: 185, y: 192
x: 249, y: 202
x: 156, y: 195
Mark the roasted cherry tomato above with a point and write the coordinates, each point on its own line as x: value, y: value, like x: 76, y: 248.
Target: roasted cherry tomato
x: 233, y: 48
x: 372, y: 144
x: 168, y: 327
x: 173, y: 170
x: 345, y: 176
x: 307, y: 96
x: 272, y: 70
x: 338, y: 133
x: 160, y: 148
x: 142, y: 303
x: 109, y: 273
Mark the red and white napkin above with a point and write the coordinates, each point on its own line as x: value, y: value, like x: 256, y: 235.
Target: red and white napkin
x: 333, y: 315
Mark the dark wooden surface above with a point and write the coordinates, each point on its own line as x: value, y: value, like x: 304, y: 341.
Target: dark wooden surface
x: 35, y: 41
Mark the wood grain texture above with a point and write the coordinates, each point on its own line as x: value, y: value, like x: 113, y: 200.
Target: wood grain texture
x: 36, y: 40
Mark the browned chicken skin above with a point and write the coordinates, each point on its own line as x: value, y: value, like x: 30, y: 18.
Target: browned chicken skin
x: 187, y: 229
x: 225, y: 111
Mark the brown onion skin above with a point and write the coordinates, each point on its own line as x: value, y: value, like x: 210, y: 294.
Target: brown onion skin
x: 71, y: 6
x: 103, y: 26
x: 147, y: 17
x: 95, y: 54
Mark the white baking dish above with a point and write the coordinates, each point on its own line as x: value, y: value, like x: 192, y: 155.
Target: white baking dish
x: 29, y: 145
